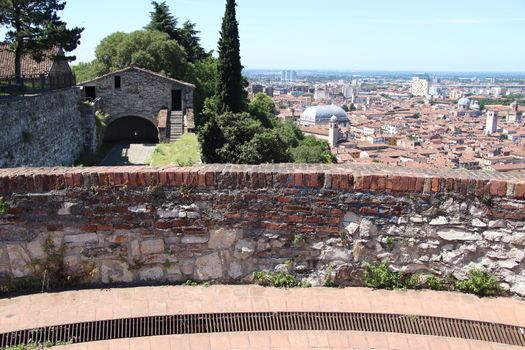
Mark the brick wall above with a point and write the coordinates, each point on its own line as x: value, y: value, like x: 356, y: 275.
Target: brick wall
x: 223, y: 222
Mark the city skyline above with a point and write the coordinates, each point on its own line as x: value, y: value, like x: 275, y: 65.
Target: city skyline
x: 471, y: 36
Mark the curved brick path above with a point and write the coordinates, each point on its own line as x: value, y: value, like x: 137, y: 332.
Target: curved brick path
x: 77, y: 306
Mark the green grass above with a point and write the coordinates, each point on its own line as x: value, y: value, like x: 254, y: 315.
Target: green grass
x: 185, y: 152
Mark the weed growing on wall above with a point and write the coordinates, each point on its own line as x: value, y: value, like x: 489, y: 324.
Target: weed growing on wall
x: 480, y: 283
x: 3, y: 206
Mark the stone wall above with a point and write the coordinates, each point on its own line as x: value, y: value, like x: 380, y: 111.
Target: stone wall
x: 142, y: 94
x: 41, y: 130
x: 223, y: 222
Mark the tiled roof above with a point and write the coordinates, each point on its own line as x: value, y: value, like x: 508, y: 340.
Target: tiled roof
x: 29, y: 65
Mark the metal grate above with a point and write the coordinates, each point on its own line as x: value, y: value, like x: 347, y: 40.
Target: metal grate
x: 266, y: 321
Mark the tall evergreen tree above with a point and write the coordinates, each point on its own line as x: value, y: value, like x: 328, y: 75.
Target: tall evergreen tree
x: 232, y: 96
x: 162, y: 20
x: 34, y: 27
x: 190, y: 40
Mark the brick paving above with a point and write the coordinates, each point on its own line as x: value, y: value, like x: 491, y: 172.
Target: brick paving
x: 78, y: 306
x: 291, y: 340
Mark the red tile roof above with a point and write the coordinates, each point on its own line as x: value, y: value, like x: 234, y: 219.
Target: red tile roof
x: 29, y: 65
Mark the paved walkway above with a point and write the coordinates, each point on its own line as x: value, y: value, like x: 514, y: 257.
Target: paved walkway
x: 129, y: 154
x: 78, y: 306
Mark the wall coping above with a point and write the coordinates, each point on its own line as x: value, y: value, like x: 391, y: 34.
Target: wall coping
x: 348, y: 177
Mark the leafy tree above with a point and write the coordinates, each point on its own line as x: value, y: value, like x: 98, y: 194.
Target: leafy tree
x: 162, y: 20
x: 345, y: 108
x: 232, y: 97
x: 353, y: 108
x: 34, y: 27
x: 263, y: 108
x: 87, y: 71
x: 312, y: 150
x: 151, y: 50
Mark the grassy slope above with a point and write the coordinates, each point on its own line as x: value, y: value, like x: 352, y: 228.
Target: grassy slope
x: 186, y: 151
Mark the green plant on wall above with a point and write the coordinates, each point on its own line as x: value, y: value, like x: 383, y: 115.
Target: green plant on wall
x: 275, y: 279
x: 3, y: 206
x: 480, y: 283
x: 298, y: 239
x: 378, y: 275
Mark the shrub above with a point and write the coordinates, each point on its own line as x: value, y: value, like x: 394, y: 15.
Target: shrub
x: 298, y: 239
x: 3, y: 206
x: 435, y: 283
x: 275, y: 279
x: 379, y: 276
x: 480, y: 283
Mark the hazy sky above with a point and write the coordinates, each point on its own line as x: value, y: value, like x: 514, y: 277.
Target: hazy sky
x: 414, y: 35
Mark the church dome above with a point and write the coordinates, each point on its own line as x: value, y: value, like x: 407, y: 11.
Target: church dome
x: 464, y: 102
x: 323, y: 115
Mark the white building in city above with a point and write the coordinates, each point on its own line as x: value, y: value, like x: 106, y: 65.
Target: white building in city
x: 420, y: 86
x: 323, y: 115
x: 492, y: 123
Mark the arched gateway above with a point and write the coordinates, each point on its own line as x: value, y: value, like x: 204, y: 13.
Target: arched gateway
x: 141, y: 104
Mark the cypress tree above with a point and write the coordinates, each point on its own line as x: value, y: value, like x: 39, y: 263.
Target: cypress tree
x: 231, y: 91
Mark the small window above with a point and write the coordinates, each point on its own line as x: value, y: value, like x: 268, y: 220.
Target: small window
x: 117, y: 82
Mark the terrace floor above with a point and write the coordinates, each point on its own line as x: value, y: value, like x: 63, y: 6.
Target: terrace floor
x: 90, y: 305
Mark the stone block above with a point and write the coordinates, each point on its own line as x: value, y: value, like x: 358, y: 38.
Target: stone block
x: 244, y: 249
x: 458, y: 235
x: 19, y: 261
x: 208, y: 267
x: 81, y: 239
x: 36, y: 248
x: 223, y: 238
x: 152, y: 246
x: 112, y: 271
x: 194, y: 239
x: 151, y: 274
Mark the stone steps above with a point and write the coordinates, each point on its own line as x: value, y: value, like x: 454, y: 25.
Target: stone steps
x: 176, y: 125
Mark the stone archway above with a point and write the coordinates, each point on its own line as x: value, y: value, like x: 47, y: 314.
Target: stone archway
x: 131, y: 129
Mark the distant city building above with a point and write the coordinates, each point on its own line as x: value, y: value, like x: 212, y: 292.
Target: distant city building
x: 320, y: 94
x: 255, y: 89
x: 492, y: 123
x: 463, y: 103
x: 322, y: 115
x: 455, y: 95
x: 514, y: 115
x: 269, y: 91
x: 288, y: 76
x: 434, y: 91
x: 420, y: 86
x: 348, y: 91
x: 333, y: 133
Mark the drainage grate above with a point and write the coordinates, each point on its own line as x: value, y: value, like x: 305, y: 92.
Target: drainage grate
x: 266, y: 321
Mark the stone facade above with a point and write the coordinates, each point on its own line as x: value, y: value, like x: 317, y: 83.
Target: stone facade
x: 222, y: 223
x: 141, y: 94
x: 42, y: 130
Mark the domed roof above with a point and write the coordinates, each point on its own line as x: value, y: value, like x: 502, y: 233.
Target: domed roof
x: 323, y: 114
x: 464, y: 102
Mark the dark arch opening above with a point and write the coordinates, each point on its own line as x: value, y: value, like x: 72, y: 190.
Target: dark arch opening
x: 131, y: 130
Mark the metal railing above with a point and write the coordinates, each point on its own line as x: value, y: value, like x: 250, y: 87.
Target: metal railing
x: 34, y: 84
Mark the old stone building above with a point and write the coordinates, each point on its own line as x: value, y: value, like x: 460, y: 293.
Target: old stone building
x: 141, y: 105
x: 51, y: 72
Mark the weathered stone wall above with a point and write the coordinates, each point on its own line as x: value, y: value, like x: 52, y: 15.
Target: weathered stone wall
x: 224, y: 222
x: 142, y: 94
x: 42, y: 130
